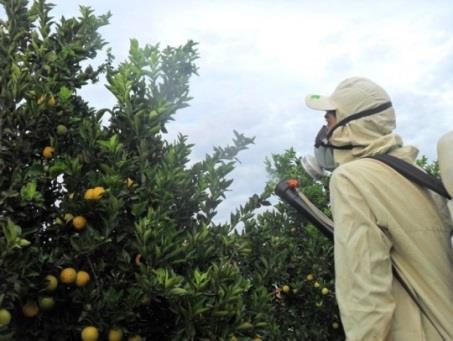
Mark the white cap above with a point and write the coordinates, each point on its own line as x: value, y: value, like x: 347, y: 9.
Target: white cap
x: 352, y: 95
x: 319, y: 102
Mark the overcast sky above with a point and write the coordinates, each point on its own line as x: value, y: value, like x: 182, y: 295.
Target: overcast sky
x: 258, y: 60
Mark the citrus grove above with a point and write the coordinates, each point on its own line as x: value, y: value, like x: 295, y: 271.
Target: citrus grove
x: 106, y: 229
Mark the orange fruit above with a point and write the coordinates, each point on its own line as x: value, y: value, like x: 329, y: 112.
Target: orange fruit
x: 5, y: 317
x: 51, y: 282
x: 68, y: 276
x: 48, y: 152
x: 82, y: 278
x: 52, y: 101
x: 41, y: 99
x: 115, y: 335
x: 61, y: 129
x: 88, y: 194
x: 46, y: 303
x: 293, y: 183
x: 95, y: 193
x: 30, y: 309
x: 98, y: 192
x: 79, y: 222
x: 285, y: 289
x: 89, y: 333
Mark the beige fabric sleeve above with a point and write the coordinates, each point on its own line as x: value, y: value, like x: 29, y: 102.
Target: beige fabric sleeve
x: 362, y: 264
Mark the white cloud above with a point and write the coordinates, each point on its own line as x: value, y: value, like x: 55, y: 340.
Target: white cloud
x: 259, y: 58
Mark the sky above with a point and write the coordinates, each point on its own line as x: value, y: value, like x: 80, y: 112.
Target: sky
x: 258, y: 60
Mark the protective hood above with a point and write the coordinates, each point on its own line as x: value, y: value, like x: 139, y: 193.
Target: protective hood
x: 369, y: 134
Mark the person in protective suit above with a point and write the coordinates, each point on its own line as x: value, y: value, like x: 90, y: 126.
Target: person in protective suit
x: 382, y: 219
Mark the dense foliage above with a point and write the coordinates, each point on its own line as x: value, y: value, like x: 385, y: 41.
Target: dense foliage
x: 107, y: 230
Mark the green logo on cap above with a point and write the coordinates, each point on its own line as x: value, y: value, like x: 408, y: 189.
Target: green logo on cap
x: 315, y: 97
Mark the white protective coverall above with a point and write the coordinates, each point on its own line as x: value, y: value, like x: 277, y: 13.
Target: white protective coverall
x: 381, y: 218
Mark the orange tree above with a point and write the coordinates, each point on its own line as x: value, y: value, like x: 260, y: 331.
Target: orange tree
x: 106, y: 229
x: 292, y: 259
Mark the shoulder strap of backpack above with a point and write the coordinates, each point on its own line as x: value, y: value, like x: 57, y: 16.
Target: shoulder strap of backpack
x: 414, y: 174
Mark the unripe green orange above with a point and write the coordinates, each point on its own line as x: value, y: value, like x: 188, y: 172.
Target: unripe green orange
x: 51, y: 282
x: 286, y: 289
x: 5, y: 317
x: 61, y: 129
x: 46, y: 303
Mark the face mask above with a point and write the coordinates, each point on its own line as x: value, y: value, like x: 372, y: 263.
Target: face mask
x: 323, y: 160
x: 324, y: 151
x: 316, y: 166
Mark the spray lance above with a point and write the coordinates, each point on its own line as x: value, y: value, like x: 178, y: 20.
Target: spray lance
x: 305, y: 207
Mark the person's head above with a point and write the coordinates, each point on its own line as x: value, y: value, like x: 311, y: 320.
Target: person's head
x: 358, y: 113
x: 331, y: 119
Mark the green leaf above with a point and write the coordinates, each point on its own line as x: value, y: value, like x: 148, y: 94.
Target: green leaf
x: 12, y: 233
x: 29, y: 193
x: 179, y: 291
x: 245, y: 326
x: 64, y: 94
x: 34, y: 171
x: 57, y: 168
